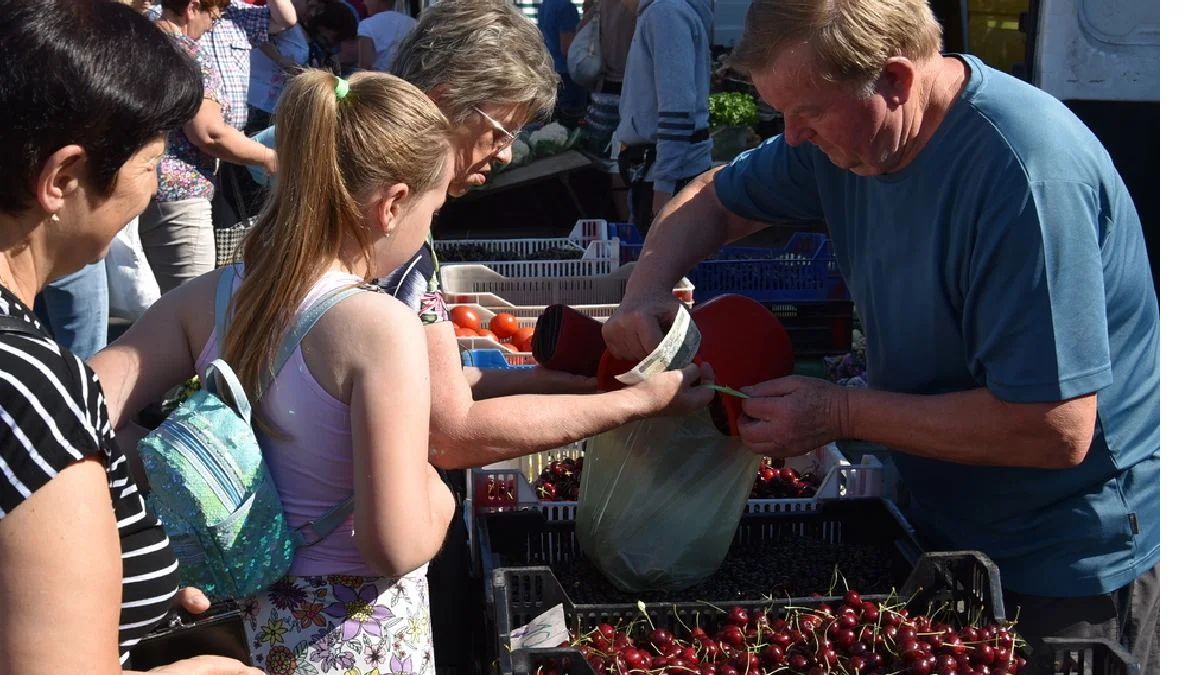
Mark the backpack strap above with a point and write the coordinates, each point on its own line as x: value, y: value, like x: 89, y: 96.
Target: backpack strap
x: 308, y: 318
x: 323, y: 525
x: 223, y: 299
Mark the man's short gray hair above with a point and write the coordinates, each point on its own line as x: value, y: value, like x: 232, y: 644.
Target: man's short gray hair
x: 472, y: 53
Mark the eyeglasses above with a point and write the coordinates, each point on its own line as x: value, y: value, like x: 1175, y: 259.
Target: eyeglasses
x: 509, y: 137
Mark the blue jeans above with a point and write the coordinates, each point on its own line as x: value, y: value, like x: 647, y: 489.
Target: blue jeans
x: 75, y: 308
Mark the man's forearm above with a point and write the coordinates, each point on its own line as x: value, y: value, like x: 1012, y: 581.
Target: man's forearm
x: 515, y: 426
x: 970, y: 427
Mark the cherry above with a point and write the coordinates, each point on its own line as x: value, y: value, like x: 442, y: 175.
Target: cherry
x: 920, y: 666
x: 797, y: 662
x: 848, y: 621
x: 983, y: 655
x: 875, y: 660
x: 698, y: 633
x: 1019, y: 662
x: 689, y: 654
x: 708, y: 669
x: 870, y: 612
x: 606, y: 631
x: 857, y: 649
x: 827, y: 657
x: 727, y: 669
x: 660, y: 637
x: 890, y: 632
x: 906, y: 633
x: 738, y: 617
x: 852, y: 599
x: 1003, y: 656
x: 817, y: 670
x: 856, y: 664
x: 789, y: 474
x: 783, y: 639
x: 947, y: 662
x: 824, y: 608
x: 773, y: 655
x: 969, y: 634
x: 632, y: 657
x: 709, y: 649
x: 734, y: 637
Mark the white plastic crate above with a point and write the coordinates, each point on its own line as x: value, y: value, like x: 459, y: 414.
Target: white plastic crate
x: 598, y: 254
x: 841, y: 479
x: 527, y: 315
x: 466, y: 283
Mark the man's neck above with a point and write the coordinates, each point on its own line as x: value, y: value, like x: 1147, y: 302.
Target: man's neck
x: 948, y: 76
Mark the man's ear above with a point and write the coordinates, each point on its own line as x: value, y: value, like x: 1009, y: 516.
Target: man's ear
x: 392, y: 202
x: 896, y: 81
x: 61, y: 175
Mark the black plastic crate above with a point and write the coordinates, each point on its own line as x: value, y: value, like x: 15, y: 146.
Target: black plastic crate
x: 817, y: 328
x: 524, y: 538
x: 966, y: 584
x: 1090, y: 657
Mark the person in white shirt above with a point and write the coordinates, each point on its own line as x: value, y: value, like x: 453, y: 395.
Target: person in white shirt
x: 381, y: 32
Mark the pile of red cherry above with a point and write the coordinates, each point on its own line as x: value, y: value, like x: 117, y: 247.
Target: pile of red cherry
x: 777, y: 481
x: 495, y: 493
x: 559, y: 481
x: 856, y: 638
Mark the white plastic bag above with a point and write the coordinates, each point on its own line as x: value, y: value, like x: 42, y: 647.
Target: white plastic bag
x: 661, y: 500
x: 132, y: 287
x: 585, y: 63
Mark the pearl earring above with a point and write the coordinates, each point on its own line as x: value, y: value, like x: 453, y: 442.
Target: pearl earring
x: 54, y: 217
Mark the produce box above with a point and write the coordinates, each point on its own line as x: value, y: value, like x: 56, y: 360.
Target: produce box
x: 465, y: 283
x: 817, y: 329
x: 587, y: 251
x: 828, y: 476
x: 803, y: 270
x: 772, y: 554
x: 950, y: 604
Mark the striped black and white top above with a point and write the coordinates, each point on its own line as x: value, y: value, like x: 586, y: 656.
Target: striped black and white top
x: 52, y: 414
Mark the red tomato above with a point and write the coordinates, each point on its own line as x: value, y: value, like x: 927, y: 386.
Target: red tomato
x: 485, y: 333
x: 504, y: 325
x: 523, y: 339
x: 459, y: 331
x: 465, y: 317
x: 508, y: 347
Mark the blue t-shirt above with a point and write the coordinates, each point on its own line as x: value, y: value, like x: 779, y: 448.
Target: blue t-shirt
x: 1007, y: 255
x: 554, y: 18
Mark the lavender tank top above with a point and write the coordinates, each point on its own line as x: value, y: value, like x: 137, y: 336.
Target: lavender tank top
x: 312, y: 462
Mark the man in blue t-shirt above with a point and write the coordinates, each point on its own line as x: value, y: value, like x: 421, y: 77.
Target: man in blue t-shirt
x: 1000, y: 271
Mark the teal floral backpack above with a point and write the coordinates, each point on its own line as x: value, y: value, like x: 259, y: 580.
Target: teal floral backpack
x: 210, y: 485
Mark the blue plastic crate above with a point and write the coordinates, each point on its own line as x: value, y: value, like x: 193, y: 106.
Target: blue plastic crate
x: 487, y: 358
x: 804, y: 270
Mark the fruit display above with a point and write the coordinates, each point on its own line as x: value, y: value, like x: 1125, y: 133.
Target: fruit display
x: 788, y: 566
x: 448, y: 252
x: 559, y: 481
x: 496, y: 492
x: 855, y: 637
x: 777, y: 481
x: 504, y: 329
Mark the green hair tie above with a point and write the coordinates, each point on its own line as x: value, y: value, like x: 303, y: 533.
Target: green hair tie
x: 341, y: 89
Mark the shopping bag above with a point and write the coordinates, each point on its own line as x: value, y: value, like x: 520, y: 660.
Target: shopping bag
x: 132, y: 287
x: 661, y: 500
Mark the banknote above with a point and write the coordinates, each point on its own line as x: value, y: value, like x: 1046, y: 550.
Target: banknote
x: 677, y: 349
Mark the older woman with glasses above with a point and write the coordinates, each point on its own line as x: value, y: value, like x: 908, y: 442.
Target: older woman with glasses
x: 177, y: 228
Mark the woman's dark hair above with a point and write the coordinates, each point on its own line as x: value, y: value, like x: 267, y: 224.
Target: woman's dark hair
x: 89, y: 72
x: 336, y: 17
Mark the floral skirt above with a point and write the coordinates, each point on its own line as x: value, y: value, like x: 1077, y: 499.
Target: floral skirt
x: 342, y: 624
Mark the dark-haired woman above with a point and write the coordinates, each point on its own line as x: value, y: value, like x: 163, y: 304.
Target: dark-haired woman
x: 177, y: 228
x: 88, y: 90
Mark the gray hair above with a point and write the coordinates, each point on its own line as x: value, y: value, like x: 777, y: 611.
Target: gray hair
x: 475, y: 53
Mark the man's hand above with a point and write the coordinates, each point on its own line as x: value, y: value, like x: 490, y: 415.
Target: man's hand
x: 792, y: 416
x: 638, y: 325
